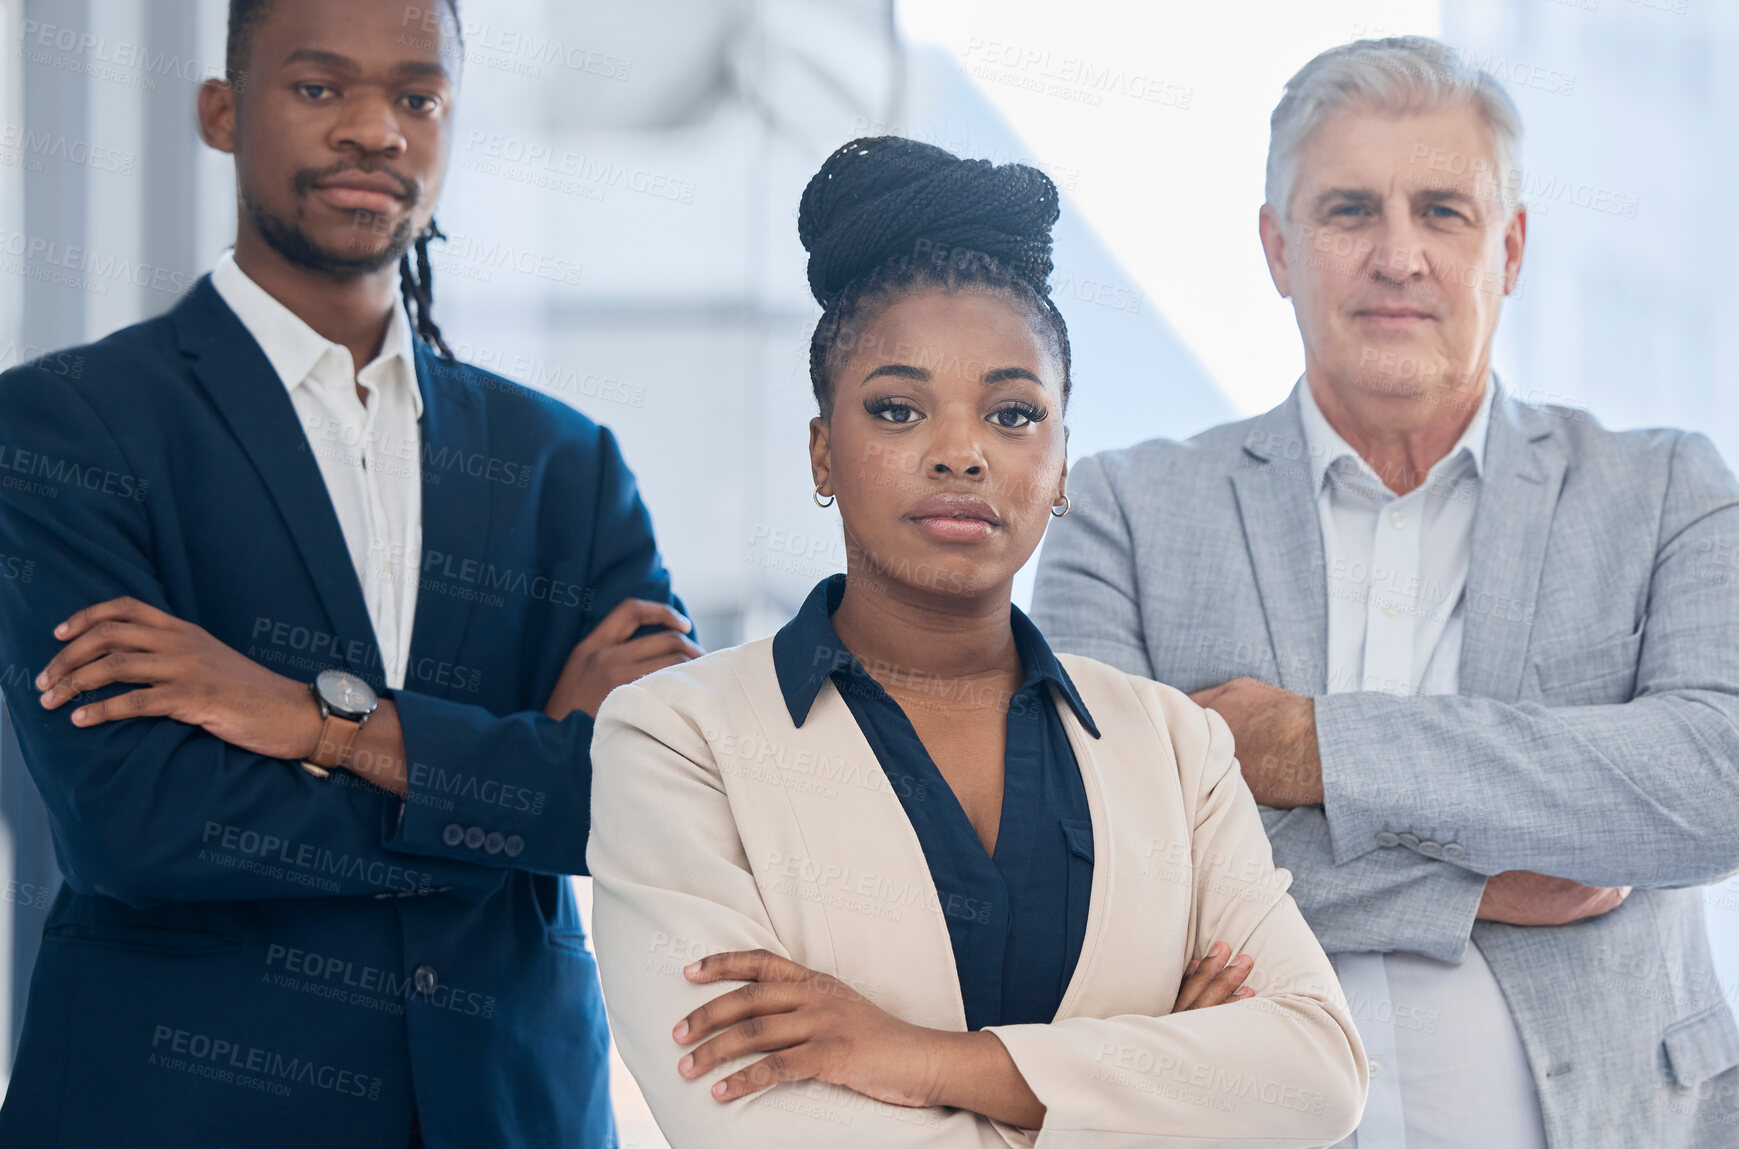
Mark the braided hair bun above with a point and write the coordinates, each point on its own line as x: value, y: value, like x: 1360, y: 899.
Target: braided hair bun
x: 882, y: 197
x: 887, y: 216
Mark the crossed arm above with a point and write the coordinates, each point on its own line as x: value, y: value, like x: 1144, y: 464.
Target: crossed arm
x: 1525, y: 780
x: 186, y: 787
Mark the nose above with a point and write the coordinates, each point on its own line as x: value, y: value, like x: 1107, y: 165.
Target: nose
x: 1399, y: 254
x: 369, y: 124
x: 955, y: 450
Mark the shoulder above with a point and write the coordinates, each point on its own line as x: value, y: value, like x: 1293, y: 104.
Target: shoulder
x: 1647, y: 463
x: 103, y: 374
x: 1129, y: 709
x: 1167, y: 463
x: 718, y: 689
x: 513, y: 403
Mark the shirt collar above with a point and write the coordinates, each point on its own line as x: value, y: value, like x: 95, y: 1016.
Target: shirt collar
x: 807, y: 651
x: 1324, y: 445
x: 292, y: 347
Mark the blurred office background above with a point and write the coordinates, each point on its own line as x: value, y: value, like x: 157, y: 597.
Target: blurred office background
x: 621, y: 208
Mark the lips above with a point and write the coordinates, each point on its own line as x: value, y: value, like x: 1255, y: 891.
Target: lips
x: 377, y: 192
x: 1393, y: 313
x: 958, y: 507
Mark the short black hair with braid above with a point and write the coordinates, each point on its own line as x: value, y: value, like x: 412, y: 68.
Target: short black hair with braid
x: 888, y: 216
x: 416, y: 281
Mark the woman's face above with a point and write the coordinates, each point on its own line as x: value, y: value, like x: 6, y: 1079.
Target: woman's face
x: 945, y: 445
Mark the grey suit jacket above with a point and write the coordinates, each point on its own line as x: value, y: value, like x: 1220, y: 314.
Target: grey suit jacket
x: 1595, y: 737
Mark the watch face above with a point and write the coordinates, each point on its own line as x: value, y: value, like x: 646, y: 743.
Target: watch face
x: 345, y: 693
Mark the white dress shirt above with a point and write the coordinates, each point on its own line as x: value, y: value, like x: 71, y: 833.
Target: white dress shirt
x: 1448, y: 1070
x: 370, y: 455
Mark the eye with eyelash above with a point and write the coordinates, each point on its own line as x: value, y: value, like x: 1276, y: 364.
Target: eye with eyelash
x: 1029, y: 411
x: 880, y: 407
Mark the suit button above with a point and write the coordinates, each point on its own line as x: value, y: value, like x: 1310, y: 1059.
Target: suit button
x: 425, y: 979
x: 515, y: 845
x: 1454, y: 850
x: 1411, y: 841
x: 1375, y: 1067
x: 453, y: 834
x: 493, y: 843
x: 1431, y: 849
x: 474, y: 837
x: 1387, y: 839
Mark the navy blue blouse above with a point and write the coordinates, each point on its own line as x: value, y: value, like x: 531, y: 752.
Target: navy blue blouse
x: 1016, y: 918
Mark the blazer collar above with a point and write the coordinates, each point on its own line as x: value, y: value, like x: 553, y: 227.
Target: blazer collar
x: 868, y: 821
x: 1273, y: 486
x: 807, y: 651
x: 1523, y: 471
x: 1525, y: 466
x: 243, y: 386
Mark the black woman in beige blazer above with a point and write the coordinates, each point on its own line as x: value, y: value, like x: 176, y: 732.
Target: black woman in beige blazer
x: 899, y: 876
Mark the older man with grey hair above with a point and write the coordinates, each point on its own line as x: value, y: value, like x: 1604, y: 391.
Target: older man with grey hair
x: 1481, y: 657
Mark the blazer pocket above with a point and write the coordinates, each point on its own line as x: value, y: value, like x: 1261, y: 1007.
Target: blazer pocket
x: 1605, y: 673
x: 143, y: 939
x: 1702, y: 1046
x: 572, y: 940
x: 1078, y: 833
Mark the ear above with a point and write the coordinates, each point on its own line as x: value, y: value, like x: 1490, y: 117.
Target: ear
x: 820, y: 454
x: 1274, y: 249
x: 1515, y: 238
x: 216, y: 110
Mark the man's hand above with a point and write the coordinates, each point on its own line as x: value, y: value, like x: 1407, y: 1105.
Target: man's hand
x: 1274, y: 737
x: 1524, y: 898
x: 610, y: 656
x: 185, y: 674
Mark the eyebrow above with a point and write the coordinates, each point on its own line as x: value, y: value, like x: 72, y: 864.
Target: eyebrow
x: 922, y: 375
x: 1444, y: 195
x: 1356, y: 195
x: 342, y: 63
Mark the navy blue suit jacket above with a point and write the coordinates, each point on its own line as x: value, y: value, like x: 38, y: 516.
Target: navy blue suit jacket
x: 245, y: 955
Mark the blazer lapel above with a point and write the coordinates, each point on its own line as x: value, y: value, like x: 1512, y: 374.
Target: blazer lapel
x: 456, y: 500
x: 1105, y: 868
x: 1524, y: 472
x: 254, y: 402
x: 883, y: 916
x: 1277, y: 508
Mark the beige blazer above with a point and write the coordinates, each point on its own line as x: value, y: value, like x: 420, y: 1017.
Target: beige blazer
x: 719, y: 825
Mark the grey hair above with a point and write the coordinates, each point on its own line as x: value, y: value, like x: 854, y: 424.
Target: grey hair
x: 1398, y: 74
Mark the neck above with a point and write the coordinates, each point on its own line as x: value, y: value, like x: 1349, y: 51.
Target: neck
x: 910, y: 638
x: 352, y: 311
x: 1400, y: 435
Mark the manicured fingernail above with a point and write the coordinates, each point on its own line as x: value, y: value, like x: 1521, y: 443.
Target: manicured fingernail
x: 685, y: 1064
x: 719, y: 1089
x: 60, y: 630
x: 78, y: 715
x: 681, y: 1030
x: 42, y: 681
x: 691, y: 968
x: 1241, y: 959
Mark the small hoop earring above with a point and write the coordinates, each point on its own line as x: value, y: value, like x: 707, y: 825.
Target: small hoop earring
x: 1056, y: 514
x: 816, y: 495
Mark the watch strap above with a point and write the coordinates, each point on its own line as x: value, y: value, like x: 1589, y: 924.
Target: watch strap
x: 332, y: 752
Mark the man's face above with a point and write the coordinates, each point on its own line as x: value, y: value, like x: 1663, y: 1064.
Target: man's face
x: 340, y: 128
x: 1397, y: 251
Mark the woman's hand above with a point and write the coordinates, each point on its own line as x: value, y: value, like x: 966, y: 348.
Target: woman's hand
x: 1212, y: 980
x: 811, y: 1025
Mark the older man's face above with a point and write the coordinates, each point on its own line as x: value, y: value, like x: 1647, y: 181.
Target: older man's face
x: 1397, y: 251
